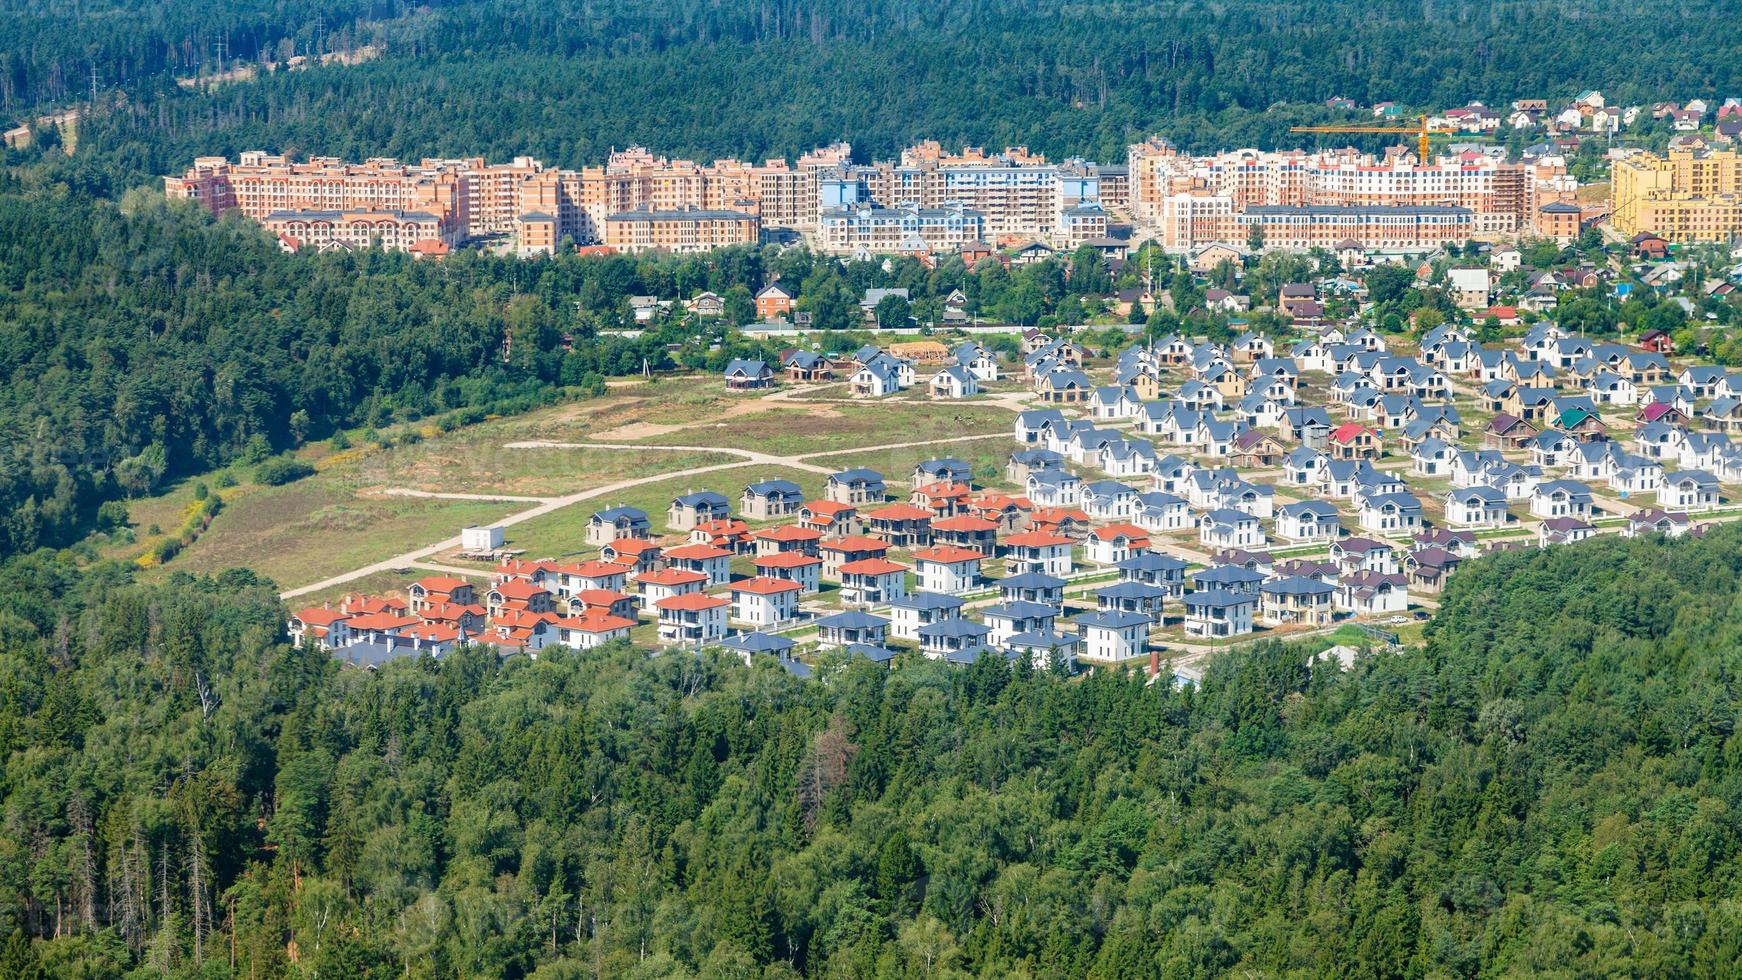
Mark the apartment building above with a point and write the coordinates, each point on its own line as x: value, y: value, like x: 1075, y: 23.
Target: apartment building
x: 325, y: 230
x: 680, y: 230
x: 1196, y: 200
x: 881, y: 230
x: 1691, y: 195
x: 928, y: 194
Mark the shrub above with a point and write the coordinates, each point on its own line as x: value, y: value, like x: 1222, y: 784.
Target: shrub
x: 112, y: 514
x: 280, y: 470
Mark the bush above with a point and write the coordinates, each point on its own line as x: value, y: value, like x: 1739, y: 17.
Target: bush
x: 280, y: 470
x: 112, y: 514
x: 201, y: 490
x: 340, y: 441
x: 225, y: 480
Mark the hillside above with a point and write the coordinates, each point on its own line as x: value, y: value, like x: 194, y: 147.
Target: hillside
x: 1550, y: 785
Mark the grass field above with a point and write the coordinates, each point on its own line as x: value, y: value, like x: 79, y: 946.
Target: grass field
x: 898, y: 464
x: 564, y: 532
x: 309, y: 530
x: 810, y: 428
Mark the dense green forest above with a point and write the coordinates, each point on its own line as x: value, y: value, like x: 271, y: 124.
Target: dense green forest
x: 568, y: 81
x: 1550, y: 787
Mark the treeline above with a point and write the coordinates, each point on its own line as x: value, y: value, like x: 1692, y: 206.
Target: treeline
x: 567, y: 82
x: 1551, y: 785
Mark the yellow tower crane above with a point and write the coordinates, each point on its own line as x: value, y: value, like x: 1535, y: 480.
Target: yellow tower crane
x: 1420, y: 131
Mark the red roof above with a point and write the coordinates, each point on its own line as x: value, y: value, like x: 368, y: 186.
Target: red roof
x: 1111, y: 531
x: 441, y: 584
x: 697, y: 552
x: 432, y: 632
x: 765, y: 586
x: 946, y: 555
x: 692, y: 600
x: 518, y: 588
x: 633, y: 546
x: 1655, y: 411
x: 596, y: 569
x: 320, y: 616
x: 1348, y: 431
x: 595, y: 621
x: 829, y: 508
x: 671, y: 576
x: 944, y: 488
x: 899, y: 512
x: 872, y: 566
x: 854, y: 542
x: 1035, y: 539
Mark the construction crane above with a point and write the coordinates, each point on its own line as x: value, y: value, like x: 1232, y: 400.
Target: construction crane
x: 1420, y: 131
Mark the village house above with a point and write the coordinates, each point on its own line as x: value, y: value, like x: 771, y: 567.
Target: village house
x: 1110, y: 636
x: 1296, y: 601
x: 612, y: 523
x: 913, y: 612
x: 1219, y: 614
x: 715, y: 563
x: 748, y: 375
x: 764, y: 602
x: 693, y: 618
x: 768, y: 500
x: 871, y: 581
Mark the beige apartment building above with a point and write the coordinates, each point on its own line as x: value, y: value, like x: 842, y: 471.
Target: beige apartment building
x: 680, y: 230
x: 1191, y: 198
x: 1688, y: 196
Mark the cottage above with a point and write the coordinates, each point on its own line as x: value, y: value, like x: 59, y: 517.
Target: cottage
x: 713, y: 562
x: 851, y: 628
x: 1296, y: 601
x: 913, y: 612
x: 693, y: 508
x: 1561, y: 499
x: 1115, y: 543
x: 693, y: 618
x: 748, y: 375
x: 1309, y: 520
x: 871, y: 581
x: 768, y: 500
x: 1476, y: 507
x: 1038, y: 551
x: 1218, y: 613
x: 612, y: 523
x: 1111, y: 636
x: 1688, y: 490
x: 948, y: 570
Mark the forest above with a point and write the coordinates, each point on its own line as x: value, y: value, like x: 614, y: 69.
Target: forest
x: 566, y: 82
x: 1549, y: 787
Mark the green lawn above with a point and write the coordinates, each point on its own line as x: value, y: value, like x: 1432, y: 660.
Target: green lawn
x: 898, y: 464
x: 809, y: 428
x: 309, y: 530
x: 564, y: 532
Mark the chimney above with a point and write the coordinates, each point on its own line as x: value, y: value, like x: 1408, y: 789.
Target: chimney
x: 1154, y: 662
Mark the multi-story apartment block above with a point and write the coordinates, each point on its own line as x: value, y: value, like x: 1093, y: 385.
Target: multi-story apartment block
x: 1197, y: 200
x: 679, y: 230
x: 1689, y: 196
x: 877, y: 230
x: 940, y: 199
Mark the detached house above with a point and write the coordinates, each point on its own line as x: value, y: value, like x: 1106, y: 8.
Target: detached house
x: 747, y: 375
x: 771, y: 499
x: 693, y: 508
